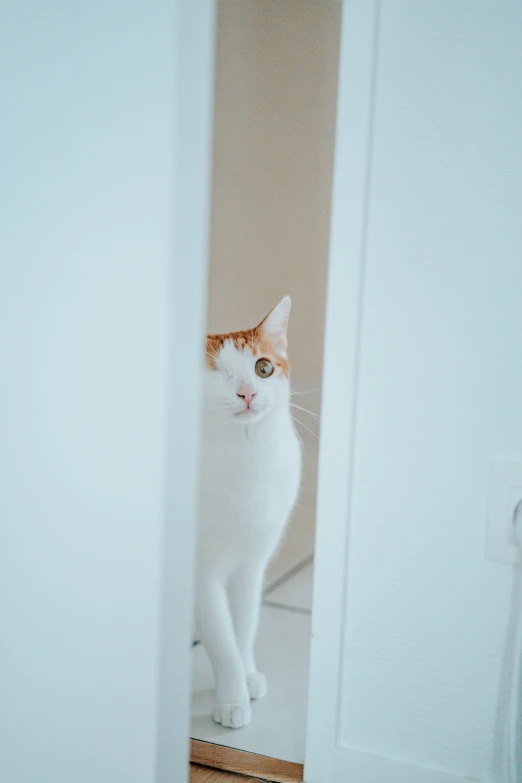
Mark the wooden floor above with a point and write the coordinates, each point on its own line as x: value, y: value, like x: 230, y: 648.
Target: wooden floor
x: 207, y: 775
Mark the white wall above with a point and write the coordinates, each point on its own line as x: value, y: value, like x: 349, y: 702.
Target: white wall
x: 438, y: 395
x: 87, y: 94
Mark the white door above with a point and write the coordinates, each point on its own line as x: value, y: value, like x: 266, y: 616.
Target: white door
x: 105, y: 143
x: 410, y: 671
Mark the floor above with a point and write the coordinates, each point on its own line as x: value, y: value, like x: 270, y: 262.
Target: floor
x: 279, y: 720
x: 200, y: 774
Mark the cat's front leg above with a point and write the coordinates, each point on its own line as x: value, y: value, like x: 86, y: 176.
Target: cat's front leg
x: 245, y: 602
x: 214, y: 623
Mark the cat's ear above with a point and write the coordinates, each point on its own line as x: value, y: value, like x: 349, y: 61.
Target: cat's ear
x: 274, y: 326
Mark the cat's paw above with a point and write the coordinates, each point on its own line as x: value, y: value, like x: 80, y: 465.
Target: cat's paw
x: 256, y: 685
x: 233, y: 715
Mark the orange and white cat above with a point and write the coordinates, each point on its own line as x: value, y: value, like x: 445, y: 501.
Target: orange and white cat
x: 251, y: 470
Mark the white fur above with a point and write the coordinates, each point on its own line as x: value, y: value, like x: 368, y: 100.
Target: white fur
x: 251, y: 467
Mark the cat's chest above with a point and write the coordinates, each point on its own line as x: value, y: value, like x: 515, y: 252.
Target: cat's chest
x: 258, y: 477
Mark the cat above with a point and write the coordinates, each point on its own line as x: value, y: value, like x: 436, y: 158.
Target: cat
x: 250, y: 478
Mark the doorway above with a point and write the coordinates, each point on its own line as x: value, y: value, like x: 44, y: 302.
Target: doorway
x: 274, y: 122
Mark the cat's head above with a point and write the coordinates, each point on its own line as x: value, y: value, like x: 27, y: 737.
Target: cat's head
x: 247, y: 373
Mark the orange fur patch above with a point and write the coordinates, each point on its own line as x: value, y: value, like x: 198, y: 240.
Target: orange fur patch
x: 260, y: 345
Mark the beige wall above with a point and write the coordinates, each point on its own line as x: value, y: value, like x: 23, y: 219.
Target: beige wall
x: 276, y: 73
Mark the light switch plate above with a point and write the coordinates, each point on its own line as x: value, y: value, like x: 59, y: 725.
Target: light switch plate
x: 505, y: 492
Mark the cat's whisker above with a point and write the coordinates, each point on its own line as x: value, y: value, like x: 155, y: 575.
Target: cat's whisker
x: 305, y: 392
x: 306, y: 428
x: 300, y: 438
x: 305, y: 410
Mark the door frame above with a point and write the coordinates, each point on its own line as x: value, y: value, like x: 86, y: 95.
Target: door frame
x: 349, y: 213
x: 352, y: 163
x: 192, y: 137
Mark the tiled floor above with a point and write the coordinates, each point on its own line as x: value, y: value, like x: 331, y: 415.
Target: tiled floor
x: 279, y: 720
x: 294, y: 593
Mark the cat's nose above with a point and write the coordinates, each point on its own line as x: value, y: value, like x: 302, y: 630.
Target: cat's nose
x: 247, y: 393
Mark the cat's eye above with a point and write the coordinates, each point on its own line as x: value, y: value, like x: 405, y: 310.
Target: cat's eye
x: 264, y: 368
